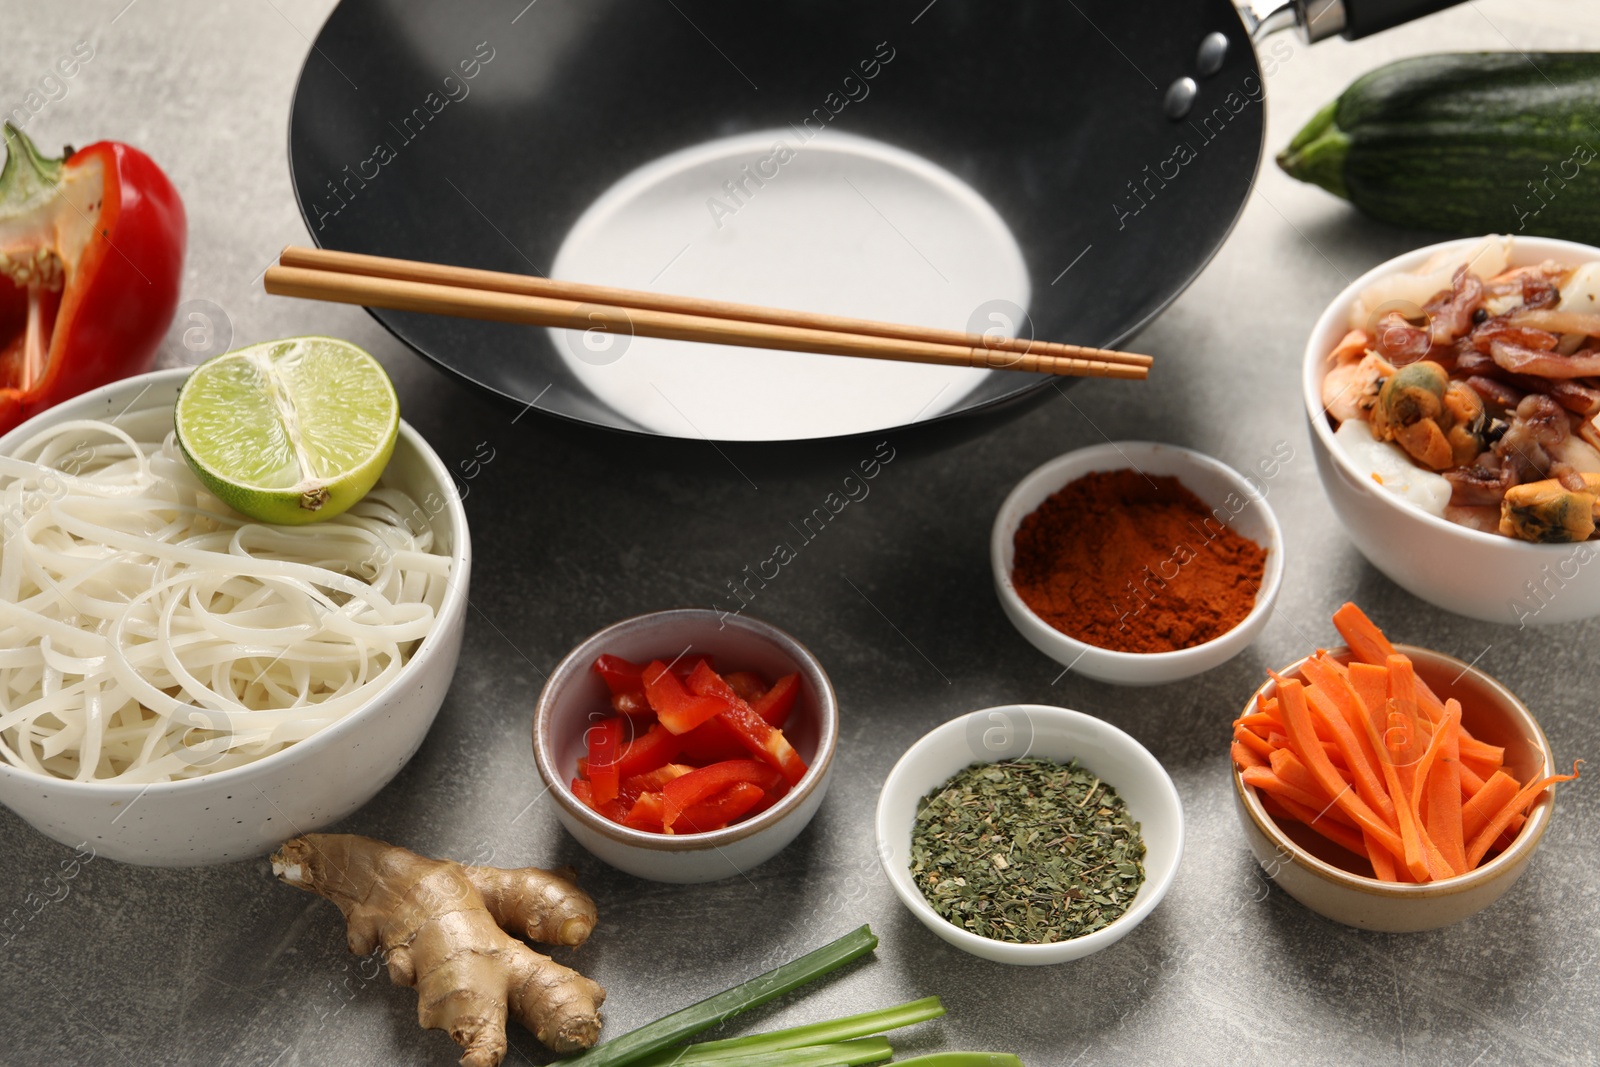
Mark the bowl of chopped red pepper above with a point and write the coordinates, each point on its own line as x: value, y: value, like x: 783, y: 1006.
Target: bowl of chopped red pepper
x: 686, y: 745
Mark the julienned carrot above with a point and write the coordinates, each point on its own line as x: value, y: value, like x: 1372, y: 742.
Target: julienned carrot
x: 1497, y: 791
x: 1439, y: 865
x: 1517, y: 805
x: 1246, y: 757
x: 1452, y: 800
x: 1441, y: 793
x: 1480, y: 758
x: 1480, y: 752
x: 1253, y: 741
x: 1343, y: 836
x: 1368, y: 644
x: 1327, y: 674
x: 1399, y: 751
x: 1303, y: 740
x: 1286, y: 765
x: 1370, y: 682
x: 1359, y: 758
x: 1300, y: 787
x: 1263, y: 779
x: 1383, y: 865
x: 1402, y: 734
x: 1366, y: 641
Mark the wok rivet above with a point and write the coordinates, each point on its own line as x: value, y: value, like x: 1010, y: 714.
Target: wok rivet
x: 1180, y: 98
x: 1213, y: 50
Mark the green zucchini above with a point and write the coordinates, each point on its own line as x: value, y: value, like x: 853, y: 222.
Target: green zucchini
x: 1470, y: 142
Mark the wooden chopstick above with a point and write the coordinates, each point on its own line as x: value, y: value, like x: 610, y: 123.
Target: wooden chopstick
x: 584, y: 315
x: 531, y: 285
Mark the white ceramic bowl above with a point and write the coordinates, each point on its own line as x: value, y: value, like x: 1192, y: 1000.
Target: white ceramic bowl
x: 1480, y: 575
x: 247, y: 811
x: 575, y: 698
x: 1239, y: 502
x: 1011, y: 732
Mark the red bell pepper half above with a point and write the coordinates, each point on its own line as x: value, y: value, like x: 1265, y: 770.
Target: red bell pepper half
x: 755, y: 733
x: 92, y: 247
x: 678, y: 709
x: 697, y: 785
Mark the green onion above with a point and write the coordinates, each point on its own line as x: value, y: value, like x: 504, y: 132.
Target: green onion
x: 738, y: 1049
x: 838, y: 1054
x: 962, y: 1059
x: 670, y: 1029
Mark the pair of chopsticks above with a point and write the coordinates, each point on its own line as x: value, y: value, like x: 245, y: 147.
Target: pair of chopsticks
x: 409, y: 285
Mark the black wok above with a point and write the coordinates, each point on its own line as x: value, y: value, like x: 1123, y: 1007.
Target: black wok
x: 1118, y: 140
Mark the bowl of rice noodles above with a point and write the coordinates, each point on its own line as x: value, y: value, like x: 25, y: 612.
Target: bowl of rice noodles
x: 181, y: 685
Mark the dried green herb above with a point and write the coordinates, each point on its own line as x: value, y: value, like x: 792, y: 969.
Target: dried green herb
x: 1027, y: 851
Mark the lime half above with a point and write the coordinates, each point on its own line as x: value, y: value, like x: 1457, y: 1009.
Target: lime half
x: 290, y: 431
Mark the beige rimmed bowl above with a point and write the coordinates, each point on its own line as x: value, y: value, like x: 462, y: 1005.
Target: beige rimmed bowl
x: 575, y: 698
x: 1316, y: 873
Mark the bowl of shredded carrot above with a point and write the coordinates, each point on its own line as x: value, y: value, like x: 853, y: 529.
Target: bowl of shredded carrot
x: 1390, y: 787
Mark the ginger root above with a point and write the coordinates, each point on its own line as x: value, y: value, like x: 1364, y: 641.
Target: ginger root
x: 443, y: 928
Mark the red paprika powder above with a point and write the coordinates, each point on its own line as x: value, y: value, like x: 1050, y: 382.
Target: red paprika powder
x: 1135, y: 563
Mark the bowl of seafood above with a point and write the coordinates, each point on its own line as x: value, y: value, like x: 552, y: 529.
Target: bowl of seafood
x: 1454, y: 401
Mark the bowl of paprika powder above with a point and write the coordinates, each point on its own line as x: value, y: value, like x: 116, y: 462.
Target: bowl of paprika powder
x: 1138, y: 563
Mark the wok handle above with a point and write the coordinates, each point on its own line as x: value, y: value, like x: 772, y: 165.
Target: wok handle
x: 1317, y: 19
x: 1362, y: 17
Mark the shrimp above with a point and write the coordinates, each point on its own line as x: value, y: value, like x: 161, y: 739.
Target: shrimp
x: 1350, y: 387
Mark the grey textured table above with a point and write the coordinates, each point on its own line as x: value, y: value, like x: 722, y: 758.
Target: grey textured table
x: 573, y: 530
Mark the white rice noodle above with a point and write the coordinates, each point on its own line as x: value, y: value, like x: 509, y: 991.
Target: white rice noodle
x: 148, y: 633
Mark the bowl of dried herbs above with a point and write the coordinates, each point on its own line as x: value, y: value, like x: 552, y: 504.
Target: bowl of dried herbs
x: 1029, y: 834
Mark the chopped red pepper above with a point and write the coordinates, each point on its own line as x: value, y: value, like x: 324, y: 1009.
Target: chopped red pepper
x: 655, y: 747
x: 691, y: 770
x: 678, y: 709
x: 652, y: 781
x: 755, y: 733
x: 92, y: 248
x: 735, y: 802
x: 605, y: 746
x: 626, y: 683
x: 645, y: 813
x: 711, y: 741
x: 697, y: 785
x: 619, y: 675
x: 684, y: 666
x: 776, y: 703
x: 747, y: 684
